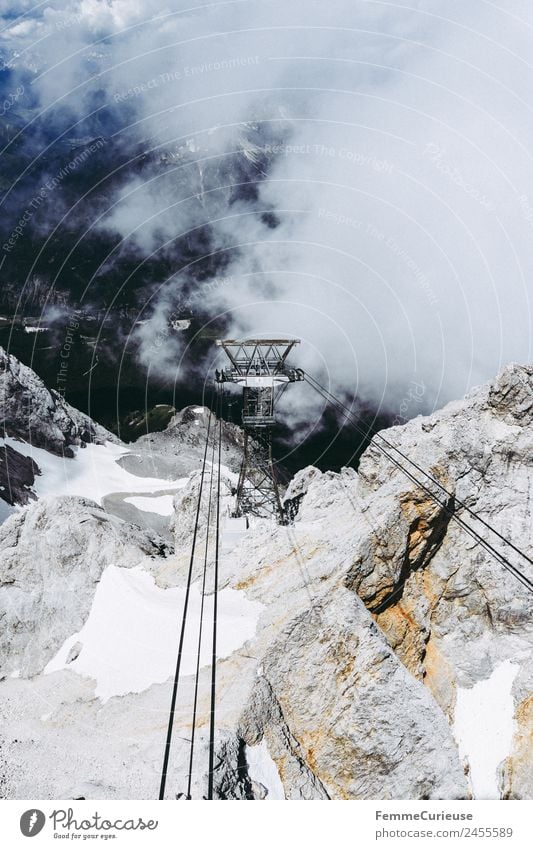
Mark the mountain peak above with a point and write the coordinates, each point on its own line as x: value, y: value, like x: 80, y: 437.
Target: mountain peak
x: 35, y: 414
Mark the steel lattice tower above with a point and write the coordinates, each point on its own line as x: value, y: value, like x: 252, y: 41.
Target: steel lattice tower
x: 260, y: 367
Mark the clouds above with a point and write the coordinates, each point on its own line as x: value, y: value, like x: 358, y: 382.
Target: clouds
x: 403, y: 252
x: 363, y: 170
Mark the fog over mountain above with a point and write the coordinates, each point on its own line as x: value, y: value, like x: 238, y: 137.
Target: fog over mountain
x: 356, y: 174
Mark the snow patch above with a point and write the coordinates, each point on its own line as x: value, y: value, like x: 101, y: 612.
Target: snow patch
x: 232, y: 532
x: 162, y: 504
x: 92, y: 473
x: 130, y: 639
x: 263, y: 770
x: 484, y: 726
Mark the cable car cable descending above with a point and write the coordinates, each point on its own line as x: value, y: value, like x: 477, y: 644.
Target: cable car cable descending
x: 170, y: 726
x: 215, y: 470
x: 201, y: 623
x: 215, y: 614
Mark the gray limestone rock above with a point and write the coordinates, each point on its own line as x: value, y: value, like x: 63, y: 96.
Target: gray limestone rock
x: 511, y: 395
x: 31, y: 412
x: 358, y: 724
x: 17, y: 476
x: 178, y: 450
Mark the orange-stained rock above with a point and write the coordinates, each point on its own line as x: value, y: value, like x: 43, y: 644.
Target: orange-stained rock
x: 518, y: 768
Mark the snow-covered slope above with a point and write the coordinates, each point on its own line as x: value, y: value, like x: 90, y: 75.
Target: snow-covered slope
x: 92, y: 471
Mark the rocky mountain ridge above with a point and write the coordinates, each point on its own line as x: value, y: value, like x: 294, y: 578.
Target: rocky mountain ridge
x: 40, y: 416
x: 380, y: 628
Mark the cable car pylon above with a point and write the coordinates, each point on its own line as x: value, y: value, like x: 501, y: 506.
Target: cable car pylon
x: 260, y: 367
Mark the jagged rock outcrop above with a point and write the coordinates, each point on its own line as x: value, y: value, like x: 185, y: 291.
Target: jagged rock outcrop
x: 178, y: 450
x: 186, y: 501
x: 31, y: 412
x: 17, y: 476
x: 343, y: 718
x: 297, y: 488
x: 446, y: 605
x: 511, y: 395
x: 52, y: 555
